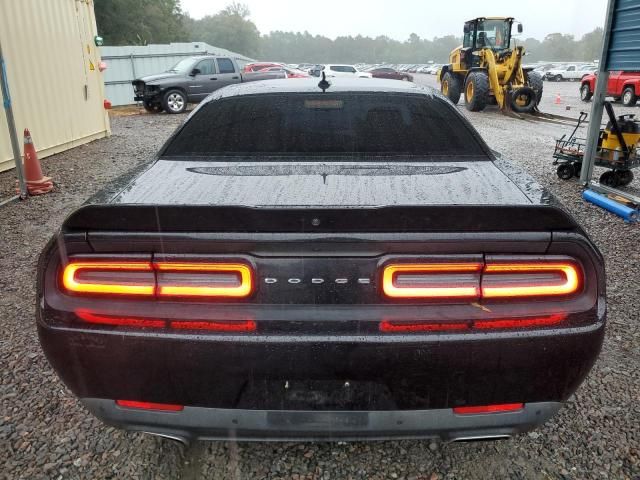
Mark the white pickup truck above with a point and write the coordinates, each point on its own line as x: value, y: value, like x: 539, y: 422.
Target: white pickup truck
x: 569, y: 72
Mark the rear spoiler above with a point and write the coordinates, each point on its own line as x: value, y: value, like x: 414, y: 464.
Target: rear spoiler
x: 436, y: 218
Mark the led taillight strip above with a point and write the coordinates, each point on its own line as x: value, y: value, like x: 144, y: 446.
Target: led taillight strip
x: 494, y: 280
x: 167, y: 290
x: 448, y: 274
x: 491, y: 287
x: 158, y: 279
x: 71, y: 283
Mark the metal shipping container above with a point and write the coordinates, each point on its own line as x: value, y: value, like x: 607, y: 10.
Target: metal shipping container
x: 127, y: 63
x: 52, y: 64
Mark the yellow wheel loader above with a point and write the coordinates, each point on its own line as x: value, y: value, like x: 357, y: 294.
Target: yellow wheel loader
x: 487, y: 68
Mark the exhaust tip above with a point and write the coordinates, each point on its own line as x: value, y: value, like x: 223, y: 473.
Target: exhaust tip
x: 176, y: 438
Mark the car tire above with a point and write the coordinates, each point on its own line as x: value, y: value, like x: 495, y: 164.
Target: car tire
x: 174, y: 101
x: 625, y: 177
x: 450, y: 87
x: 629, y: 97
x: 534, y: 80
x: 558, y: 78
x: 476, y: 91
x: 151, y: 107
x: 565, y: 171
x: 610, y: 179
x: 585, y: 92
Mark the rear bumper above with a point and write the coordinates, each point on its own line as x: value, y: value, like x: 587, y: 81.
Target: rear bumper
x: 198, y: 423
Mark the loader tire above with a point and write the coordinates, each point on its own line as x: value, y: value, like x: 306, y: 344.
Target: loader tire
x: 476, y: 91
x: 522, y: 100
x: 534, y: 80
x: 450, y: 87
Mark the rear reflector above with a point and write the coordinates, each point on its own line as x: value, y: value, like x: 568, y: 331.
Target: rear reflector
x: 498, y: 278
x: 497, y: 408
x: 141, y: 322
x: 97, y: 319
x: 520, y: 322
x: 161, y: 407
x: 160, y: 279
x: 400, y: 326
x: 232, y: 326
x: 432, y: 280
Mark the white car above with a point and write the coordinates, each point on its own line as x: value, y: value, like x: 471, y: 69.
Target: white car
x: 433, y: 69
x: 568, y: 72
x: 342, y: 70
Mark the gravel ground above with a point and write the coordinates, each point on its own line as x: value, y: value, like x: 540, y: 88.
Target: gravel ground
x: 45, y: 433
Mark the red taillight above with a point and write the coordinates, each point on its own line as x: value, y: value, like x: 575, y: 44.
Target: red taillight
x: 496, y: 408
x: 497, y: 278
x: 160, y: 407
x: 160, y: 279
x: 432, y: 280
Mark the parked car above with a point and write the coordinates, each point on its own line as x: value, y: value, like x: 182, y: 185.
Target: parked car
x: 257, y: 66
x: 433, y: 68
x: 623, y: 86
x: 390, y: 73
x: 343, y: 70
x: 542, y: 69
x: 289, y: 72
x: 296, y: 264
x: 190, y: 81
x: 567, y: 72
x: 316, y: 70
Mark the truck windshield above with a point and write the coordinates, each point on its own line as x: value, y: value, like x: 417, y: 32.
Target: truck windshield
x: 322, y: 124
x: 183, y: 66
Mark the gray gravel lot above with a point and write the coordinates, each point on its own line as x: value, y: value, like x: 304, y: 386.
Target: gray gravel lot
x: 45, y: 433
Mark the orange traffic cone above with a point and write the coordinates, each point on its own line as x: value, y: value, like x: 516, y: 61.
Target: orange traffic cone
x: 558, y: 100
x: 37, y: 184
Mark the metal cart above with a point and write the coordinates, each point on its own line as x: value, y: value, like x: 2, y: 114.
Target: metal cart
x: 569, y: 153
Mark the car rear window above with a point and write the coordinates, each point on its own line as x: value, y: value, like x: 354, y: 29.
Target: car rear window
x: 325, y: 124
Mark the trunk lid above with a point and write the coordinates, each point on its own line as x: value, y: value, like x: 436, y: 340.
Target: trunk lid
x: 335, y: 184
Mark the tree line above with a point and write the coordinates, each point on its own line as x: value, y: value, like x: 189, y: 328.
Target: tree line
x: 140, y: 22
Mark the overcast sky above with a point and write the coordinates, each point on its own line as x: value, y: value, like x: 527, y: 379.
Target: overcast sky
x: 399, y: 18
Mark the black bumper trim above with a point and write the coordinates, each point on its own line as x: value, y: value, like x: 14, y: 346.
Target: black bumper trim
x: 198, y: 423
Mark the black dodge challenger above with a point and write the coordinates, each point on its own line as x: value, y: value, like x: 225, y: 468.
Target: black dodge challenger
x: 340, y: 263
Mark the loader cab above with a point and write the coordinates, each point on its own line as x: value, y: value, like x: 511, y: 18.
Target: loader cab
x: 494, y: 33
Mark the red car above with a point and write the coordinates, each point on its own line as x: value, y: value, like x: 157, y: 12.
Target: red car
x: 290, y: 72
x: 386, y: 72
x: 623, y: 86
x: 256, y: 67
